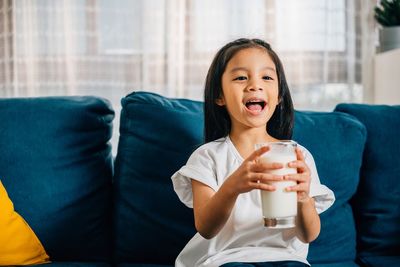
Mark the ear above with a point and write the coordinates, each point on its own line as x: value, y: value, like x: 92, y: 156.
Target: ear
x: 279, y: 101
x: 220, y: 101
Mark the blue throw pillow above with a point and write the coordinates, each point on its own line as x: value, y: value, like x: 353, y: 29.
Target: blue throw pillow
x: 336, y: 141
x: 56, y: 164
x: 376, y: 204
x: 157, y: 136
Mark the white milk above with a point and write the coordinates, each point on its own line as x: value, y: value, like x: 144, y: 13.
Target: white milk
x: 280, y: 204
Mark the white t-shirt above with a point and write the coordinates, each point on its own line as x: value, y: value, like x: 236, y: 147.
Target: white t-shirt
x: 244, y: 237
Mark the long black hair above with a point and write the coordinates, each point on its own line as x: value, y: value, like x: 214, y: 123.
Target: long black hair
x: 217, y: 122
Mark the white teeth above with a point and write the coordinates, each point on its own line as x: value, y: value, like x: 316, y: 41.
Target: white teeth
x: 255, y: 100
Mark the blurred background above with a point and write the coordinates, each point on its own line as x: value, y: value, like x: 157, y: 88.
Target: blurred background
x: 110, y: 48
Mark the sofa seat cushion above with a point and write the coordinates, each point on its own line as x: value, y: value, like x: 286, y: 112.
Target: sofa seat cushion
x: 376, y: 204
x: 57, y: 168
x: 141, y: 265
x: 337, y: 264
x: 76, y: 264
x: 378, y: 261
x: 336, y: 141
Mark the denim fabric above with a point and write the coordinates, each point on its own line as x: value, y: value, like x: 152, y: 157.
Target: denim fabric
x: 266, y: 264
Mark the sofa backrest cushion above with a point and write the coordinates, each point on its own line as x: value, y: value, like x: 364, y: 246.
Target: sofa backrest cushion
x: 336, y: 141
x: 376, y: 204
x: 57, y: 167
x: 157, y: 135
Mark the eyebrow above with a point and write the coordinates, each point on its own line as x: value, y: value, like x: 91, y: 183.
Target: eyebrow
x: 245, y: 69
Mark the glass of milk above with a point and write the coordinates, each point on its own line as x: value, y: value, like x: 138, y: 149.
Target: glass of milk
x: 279, y: 207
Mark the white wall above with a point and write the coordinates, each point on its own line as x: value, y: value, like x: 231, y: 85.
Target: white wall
x: 387, y: 78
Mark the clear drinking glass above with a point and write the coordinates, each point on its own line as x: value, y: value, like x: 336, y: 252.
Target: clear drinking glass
x: 279, y: 207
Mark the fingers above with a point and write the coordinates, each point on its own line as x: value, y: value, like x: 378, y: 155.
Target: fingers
x: 300, y: 188
x: 262, y: 186
x: 266, y: 177
x: 259, y: 178
x: 299, y: 154
x: 300, y: 165
x: 302, y: 183
x: 300, y: 178
x: 265, y: 166
x: 263, y: 181
x: 257, y: 153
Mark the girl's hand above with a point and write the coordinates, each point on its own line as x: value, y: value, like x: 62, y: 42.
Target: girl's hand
x: 251, y: 174
x: 302, y: 177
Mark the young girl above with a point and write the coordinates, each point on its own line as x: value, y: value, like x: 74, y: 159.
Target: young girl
x: 247, y: 101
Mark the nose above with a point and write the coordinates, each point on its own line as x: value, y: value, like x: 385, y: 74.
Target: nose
x: 254, y: 85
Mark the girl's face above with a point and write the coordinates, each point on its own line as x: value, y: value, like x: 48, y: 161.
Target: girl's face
x: 250, y: 89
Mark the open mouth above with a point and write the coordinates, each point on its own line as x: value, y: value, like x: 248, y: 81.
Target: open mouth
x: 255, y: 105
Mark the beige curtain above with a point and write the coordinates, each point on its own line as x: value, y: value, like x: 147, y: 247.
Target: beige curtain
x: 110, y: 48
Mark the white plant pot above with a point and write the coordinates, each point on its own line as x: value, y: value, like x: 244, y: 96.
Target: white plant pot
x: 389, y: 38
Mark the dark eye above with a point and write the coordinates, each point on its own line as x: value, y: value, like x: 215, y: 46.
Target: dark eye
x: 267, y: 78
x: 240, y: 78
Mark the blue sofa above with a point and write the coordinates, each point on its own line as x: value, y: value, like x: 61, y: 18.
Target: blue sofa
x: 91, y: 210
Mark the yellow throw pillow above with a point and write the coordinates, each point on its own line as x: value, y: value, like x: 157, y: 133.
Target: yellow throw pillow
x: 18, y: 243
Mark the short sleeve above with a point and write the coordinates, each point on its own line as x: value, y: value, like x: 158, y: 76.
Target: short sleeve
x: 323, y: 196
x: 200, y: 167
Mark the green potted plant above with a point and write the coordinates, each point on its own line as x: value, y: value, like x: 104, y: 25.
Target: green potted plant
x: 387, y: 14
